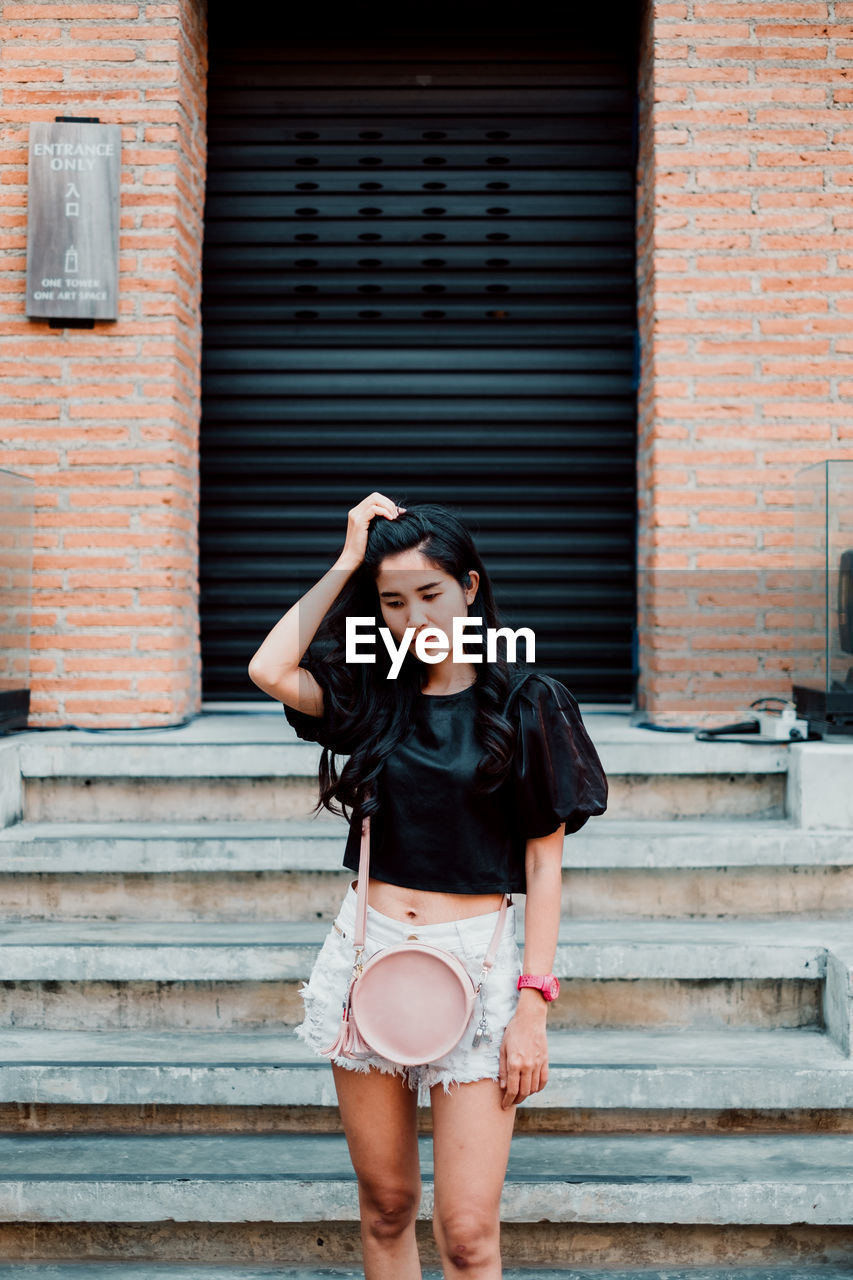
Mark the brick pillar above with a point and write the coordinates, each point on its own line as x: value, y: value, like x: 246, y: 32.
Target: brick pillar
x: 745, y: 252
x: 106, y: 420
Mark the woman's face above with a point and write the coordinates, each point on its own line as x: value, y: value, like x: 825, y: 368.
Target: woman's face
x: 413, y: 592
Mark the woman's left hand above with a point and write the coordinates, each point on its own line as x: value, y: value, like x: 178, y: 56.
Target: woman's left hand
x: 524, y: 1057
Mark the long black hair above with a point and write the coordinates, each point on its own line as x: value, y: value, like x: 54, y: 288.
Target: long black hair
x: 374, y: 713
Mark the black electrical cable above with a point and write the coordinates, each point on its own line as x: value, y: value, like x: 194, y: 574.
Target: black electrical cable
x: 145, y: 728
x: 728, y: 732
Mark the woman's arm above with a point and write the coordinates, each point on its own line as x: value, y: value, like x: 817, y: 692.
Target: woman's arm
x: 524, y: 1051
x: 275, y: 667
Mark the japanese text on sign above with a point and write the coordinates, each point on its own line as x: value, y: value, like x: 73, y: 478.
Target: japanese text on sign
x: 73, y: 215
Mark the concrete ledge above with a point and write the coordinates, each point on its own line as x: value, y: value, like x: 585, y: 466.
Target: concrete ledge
x: 161, y: 1271
x: 164, y: 759
x: 602, y: 1069
x: 820, y: 784
x: 96, y: 847
x: 312, y: 846
x: 838, y: 996
x: 190, y: 951
x: 261, y: 744
x: 693, y: 1178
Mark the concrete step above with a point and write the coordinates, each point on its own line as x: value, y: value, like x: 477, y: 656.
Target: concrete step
x: 317, y: 845
x: 213, y: 1271
x: 255, y: 766
x: 209, y: 950
x: 271, y: 1177
x: 622, y: 972
x: 164, y: 1271
x: 601, y: 1070
x: 709, y: 868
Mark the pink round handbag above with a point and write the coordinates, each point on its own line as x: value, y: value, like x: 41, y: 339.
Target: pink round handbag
x: 411, y: 1002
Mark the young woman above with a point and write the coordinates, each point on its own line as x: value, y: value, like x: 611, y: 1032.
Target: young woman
x: 472, y: 773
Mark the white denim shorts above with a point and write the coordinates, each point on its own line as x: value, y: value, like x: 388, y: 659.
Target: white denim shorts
x: 468, y: 939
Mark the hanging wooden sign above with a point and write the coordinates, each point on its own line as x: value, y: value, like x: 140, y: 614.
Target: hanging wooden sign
x: 72, y: 220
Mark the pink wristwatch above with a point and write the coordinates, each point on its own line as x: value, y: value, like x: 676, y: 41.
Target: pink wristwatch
x: 548, y: 985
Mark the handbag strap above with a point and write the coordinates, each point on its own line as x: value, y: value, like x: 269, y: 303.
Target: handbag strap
x: 361, y: 903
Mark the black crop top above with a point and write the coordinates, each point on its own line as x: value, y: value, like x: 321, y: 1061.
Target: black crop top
x: 431, y: 831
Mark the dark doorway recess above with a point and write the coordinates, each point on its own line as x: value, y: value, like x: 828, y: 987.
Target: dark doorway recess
x: 419, y: 277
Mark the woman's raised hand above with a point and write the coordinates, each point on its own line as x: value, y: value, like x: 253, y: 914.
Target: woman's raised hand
x: 358, y: 519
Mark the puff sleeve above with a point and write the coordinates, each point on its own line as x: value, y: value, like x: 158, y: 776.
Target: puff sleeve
x: 557, y: 775
x: 324, y: 729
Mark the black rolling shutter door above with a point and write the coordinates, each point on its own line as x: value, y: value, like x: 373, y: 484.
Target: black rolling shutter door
x: 419, y: 278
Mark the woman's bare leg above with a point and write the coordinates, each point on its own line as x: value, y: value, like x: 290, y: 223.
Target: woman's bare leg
x: 379, y: 1114
x: 471, y: 1141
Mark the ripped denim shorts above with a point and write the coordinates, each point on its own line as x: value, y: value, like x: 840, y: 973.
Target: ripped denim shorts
x: 468, y: 939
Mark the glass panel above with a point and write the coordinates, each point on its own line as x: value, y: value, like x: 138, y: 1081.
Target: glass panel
x: 823, y: 557
x: 17, y: 494
x: 839, y: 565
x: 809, y: 665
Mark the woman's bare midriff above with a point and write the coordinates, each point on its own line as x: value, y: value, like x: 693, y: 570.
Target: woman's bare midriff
x: 422, y: 906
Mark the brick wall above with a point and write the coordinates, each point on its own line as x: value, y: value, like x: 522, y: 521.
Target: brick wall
x: 745, y: 249
x: 106, y: 420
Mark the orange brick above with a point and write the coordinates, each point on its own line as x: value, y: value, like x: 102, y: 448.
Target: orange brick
x: 93, y: 53
x: 114, y: 31
x: 80, y: 12
x: 132, y: 619
x: 26, y: 75
x: 53, y: 103
x: 45, y: 34
x: 151, y: 156
x: 162, y: 52
x: 122, y: 663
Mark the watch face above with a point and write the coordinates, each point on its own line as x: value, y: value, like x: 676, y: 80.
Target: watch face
x: 552, y: 989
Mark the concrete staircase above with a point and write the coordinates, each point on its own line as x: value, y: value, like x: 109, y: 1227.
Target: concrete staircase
x: 164, y: 893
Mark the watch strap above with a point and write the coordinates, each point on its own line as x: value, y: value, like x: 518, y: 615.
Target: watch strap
x: 537, y: 980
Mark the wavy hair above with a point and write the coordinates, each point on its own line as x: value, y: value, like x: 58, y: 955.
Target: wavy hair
x: 375, y: 714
